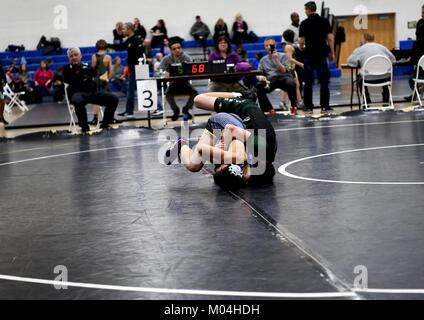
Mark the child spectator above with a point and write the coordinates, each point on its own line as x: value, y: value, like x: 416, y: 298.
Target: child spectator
x: 57, y: 88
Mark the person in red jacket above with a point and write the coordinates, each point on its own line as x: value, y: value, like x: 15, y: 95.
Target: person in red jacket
x: 43, y: 78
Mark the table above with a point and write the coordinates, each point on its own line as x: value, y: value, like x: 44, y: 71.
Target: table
x: 354, y: 86
x: 206, y: 76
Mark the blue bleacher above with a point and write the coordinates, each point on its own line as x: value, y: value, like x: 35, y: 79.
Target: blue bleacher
x: 34, y: 57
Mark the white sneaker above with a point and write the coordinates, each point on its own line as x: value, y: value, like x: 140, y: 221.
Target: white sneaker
x: 157, y: 113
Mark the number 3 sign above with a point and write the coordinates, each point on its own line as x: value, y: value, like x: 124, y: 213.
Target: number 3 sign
x: 147, y: 94
x: 147, y: 91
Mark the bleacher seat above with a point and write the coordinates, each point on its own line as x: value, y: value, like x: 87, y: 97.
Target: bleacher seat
x: 34, y: 57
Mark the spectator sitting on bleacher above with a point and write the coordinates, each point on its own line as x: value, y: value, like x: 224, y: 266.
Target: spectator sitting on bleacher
x: 159, y: 33
x: 2, y: 82
x: 118, y: 35
x: 148, y: 52
x: 13, y: 68
x: 101, y: 62
x: 255, y: 63
x: 118, y: 77
x: 165, y: 48
x: 275, y: 67
x: 223, y: 51
x: 21, y: 82
x: 139, y: 29
x: 178, y: 87
x: 221, y: 29
x: 57, y: 88
x: 82, y: 90
x: 157, y: 71
x: 42, y: 79
x: 239, y: 29
x: 242, y: 53
x: 200, y: 32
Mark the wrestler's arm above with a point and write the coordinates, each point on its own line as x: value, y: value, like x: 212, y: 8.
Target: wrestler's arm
x: 206, y: 101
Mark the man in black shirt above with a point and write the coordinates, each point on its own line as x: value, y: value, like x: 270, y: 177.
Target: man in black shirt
x: 2, y: 80
x: 82, y: 90
x: 135, y: 50
x: 317, y: 41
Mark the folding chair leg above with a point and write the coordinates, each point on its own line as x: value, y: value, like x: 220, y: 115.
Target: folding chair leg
x: 413, y: 94
x: 418, y: 95
x: 365, y: 98
x: 391, y: 98
x: 100, y: 117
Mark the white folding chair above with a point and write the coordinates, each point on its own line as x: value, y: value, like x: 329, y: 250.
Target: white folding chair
x: 377, y: 66
x: 72, y: 123
x: 418, y: 81
x: 14, y: 99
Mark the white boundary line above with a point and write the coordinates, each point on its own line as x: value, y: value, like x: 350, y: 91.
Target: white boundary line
x: 283, y: 169
x: 308, y: 295
x: 181, y: 291
x: 390, y: 291
x: 349, y: 125
x: 78, y: 152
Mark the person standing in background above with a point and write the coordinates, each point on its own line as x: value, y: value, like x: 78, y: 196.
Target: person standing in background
x: 317, y: 41
x: 135, y: 50
x: 294, y: 26
x: 139, y: 29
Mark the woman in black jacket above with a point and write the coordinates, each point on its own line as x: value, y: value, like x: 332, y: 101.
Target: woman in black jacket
x: 240, y: 27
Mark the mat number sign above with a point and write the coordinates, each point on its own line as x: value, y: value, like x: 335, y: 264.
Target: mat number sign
x: 147, y: 95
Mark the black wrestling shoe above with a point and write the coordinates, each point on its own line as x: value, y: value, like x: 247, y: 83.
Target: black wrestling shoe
x: 85, y: 130
x: 175, y: 116
x: 186, y: 115
x: 105, y: 126
x: 173, y: 152
x: 95, y: 121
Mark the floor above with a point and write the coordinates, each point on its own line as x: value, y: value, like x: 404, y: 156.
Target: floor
x: 98, y: 217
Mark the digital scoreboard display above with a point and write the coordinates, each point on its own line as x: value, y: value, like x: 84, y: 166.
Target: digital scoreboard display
x: 193, y: 68
x: 197, y: 68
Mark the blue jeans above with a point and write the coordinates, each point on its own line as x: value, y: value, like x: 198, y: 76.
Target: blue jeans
x: 132, y: 86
